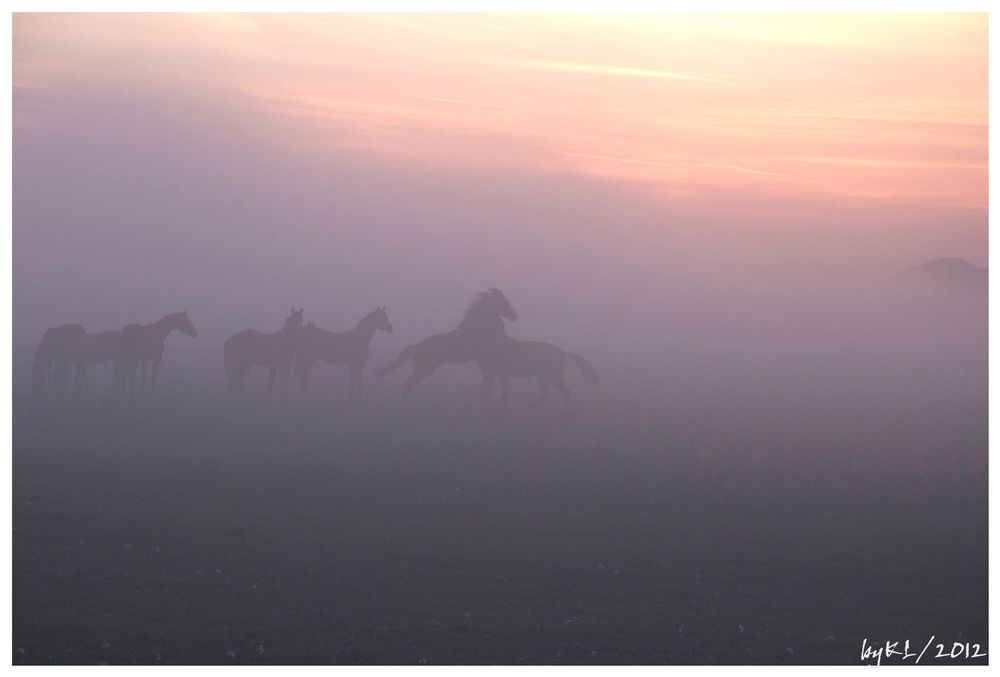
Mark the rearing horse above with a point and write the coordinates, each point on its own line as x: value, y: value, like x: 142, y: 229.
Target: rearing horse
x: 482, y: 323
x: 349, y: 347
x: 142, y: 344
x: 249, y: 348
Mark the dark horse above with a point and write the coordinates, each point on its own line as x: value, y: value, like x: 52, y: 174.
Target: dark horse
x: 251, y: 348
x: 483, y: 323
x: 142, y: 344
x: 508, y: 358
x: 349, y: 347
x: 82, y: 350
x: 43, y: 366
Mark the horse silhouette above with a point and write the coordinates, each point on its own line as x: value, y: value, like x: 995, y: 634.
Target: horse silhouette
x: 142, y: 344
x: 82, y: 350
x: 509, y: 358
x: 251, y: 348
x: 483, y: 321
x: 43, y: 365
x: 349, y: 347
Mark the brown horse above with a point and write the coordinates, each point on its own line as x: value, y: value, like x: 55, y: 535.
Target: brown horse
x: 43, y: 366
x: 482, y: 323
x: 143, y: 344
x: 82, y: 350
x: 508, y: 358
x: 251, y: 348
x: 349, y: 347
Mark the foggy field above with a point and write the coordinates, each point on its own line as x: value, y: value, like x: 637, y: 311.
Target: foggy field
x: 700, y: 510
x: 764, y: 234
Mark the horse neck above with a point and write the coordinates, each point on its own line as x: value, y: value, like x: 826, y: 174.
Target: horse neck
x: 364, y: 331
x: 483, y: 325
x: 286, y: 335
x: 163, y: 327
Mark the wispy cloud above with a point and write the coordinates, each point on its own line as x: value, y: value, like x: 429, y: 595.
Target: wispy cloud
x: 462, y: 102
x: 606, y: 69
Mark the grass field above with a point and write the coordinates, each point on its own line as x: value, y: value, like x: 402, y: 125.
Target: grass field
x: 723, y: 515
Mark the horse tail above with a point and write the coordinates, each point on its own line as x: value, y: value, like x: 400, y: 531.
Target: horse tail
x: 40, y: 361
x: 589, y: 373
x: 61, y: 374
x: 229, y: 359
x: 398, y: 362
x: 39, y: 373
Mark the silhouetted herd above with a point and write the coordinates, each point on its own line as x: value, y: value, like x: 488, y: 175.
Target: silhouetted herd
x: 480, y: 337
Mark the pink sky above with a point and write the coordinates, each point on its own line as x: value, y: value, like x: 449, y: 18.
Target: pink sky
x: 651, y: 141
x: 865, y: 110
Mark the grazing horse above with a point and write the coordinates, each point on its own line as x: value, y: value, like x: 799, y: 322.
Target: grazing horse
x: 142, y: 344
x: 82, y: 350
x: 482, y: 323
x: 43, y: 366
x: 349, y: 347
x: 250, y: 348
x: 509, y: 358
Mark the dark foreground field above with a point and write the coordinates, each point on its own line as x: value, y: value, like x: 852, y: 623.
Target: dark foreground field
x: 714, y: 517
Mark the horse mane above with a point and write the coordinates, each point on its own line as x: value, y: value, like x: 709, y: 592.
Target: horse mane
x: 288, y: 325
x: 476, y: 307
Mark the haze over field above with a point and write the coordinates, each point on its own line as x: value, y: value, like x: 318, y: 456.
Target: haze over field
x: 766, y: 233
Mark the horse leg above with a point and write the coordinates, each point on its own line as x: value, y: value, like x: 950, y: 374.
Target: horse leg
x: 156, y: 371
x: 503, y: 395
x: 356, y: 371
x: 284, y: 381
x: 132, y: 368
x: 270, y: 380
x: 409, y: 384
x: 562, y: 388
x: 485, y: 393
x: 543, y: 391
x: 82, y: 385
x: 302, y: 372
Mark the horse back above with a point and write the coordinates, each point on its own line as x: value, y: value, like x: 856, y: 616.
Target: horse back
x: 252, y: 347
x: 328, y: 346
x: 450, y: 347
x: 139, y: 341
x: 55, y: 339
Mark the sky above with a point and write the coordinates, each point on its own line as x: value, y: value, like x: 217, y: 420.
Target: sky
x: 239, y: 165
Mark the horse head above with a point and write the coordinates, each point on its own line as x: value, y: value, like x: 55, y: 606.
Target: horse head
x: 182, y: 323
x: 502, y: 305
x: 377, y: 319
x: 293, y: 322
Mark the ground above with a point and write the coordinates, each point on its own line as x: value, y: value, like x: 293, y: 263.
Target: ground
x: 688, y: 525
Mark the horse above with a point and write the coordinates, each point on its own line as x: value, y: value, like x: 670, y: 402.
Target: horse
x: 43, y: 365
x: 482, y: 322
x: 249, y: 348
x: 509, y: 358
x: 82, y: 350
x: 349, y: 347
x: 142, y: 344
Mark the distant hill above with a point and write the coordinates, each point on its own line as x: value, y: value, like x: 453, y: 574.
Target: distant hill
x: 951, y: 273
